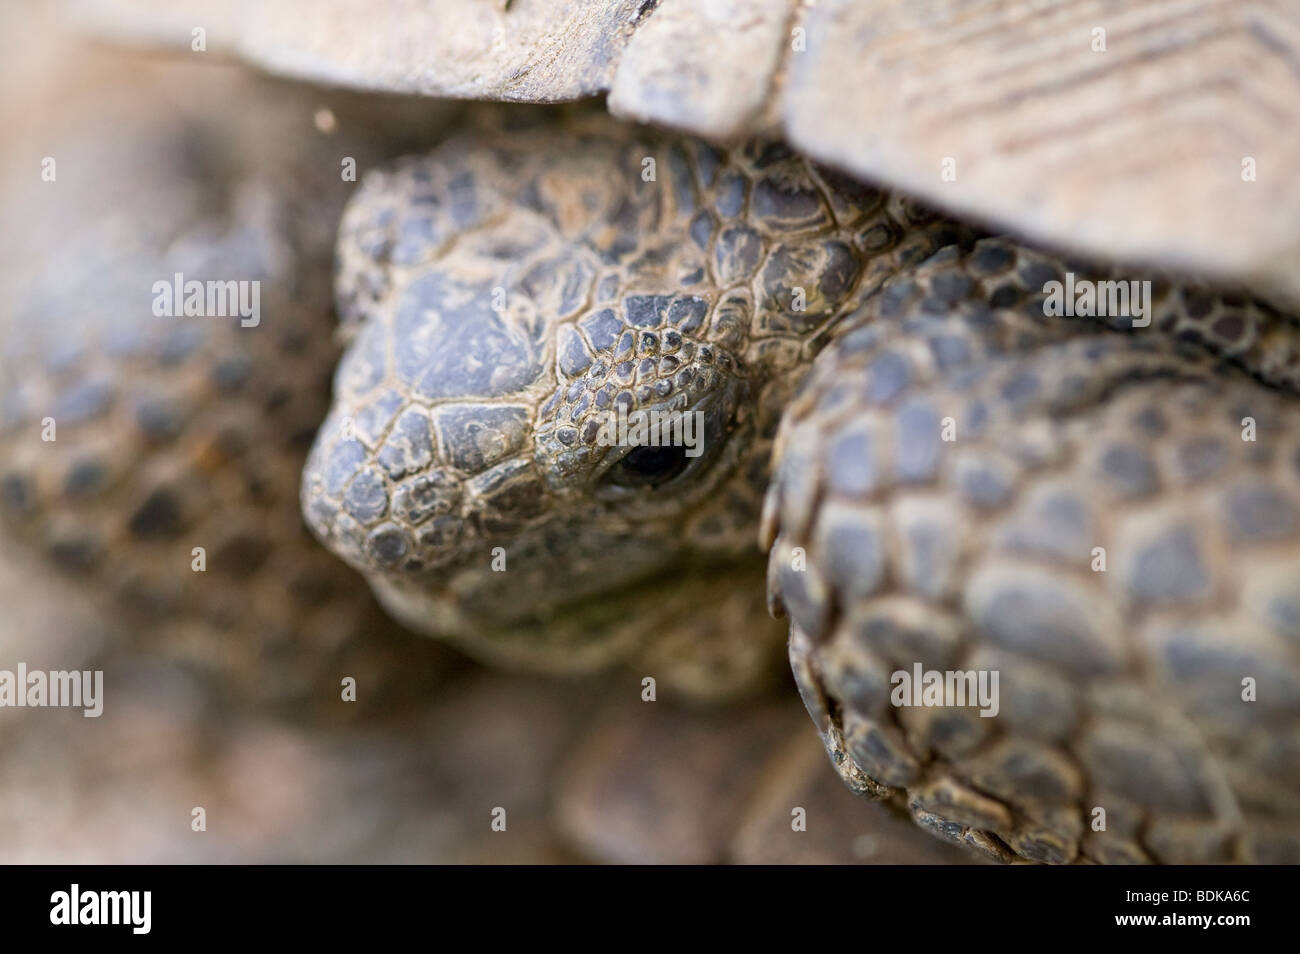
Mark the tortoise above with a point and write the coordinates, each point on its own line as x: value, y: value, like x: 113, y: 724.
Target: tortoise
x: 944, y: 475
x: 224, y: 686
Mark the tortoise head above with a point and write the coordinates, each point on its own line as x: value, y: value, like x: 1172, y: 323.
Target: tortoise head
x: 563, y: 375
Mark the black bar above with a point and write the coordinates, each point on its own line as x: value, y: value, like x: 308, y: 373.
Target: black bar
x: 820, y: 906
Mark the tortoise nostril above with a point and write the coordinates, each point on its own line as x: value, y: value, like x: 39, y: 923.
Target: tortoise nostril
x: 388, y: 545
x: 419, y: 498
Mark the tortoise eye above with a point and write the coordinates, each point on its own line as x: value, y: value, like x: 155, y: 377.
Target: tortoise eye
x: 648, y: 466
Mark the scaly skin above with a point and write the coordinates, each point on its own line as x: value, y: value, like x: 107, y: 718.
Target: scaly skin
x: 459, y: 432
x: 458, y: 429
x: 1121, y: 684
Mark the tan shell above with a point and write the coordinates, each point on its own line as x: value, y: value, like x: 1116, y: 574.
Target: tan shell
x: 1116, y: 128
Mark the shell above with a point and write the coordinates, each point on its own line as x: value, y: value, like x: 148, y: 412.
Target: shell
x: 1128, y: 129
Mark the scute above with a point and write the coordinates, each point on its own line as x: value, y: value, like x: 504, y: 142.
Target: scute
x: 887, y: 90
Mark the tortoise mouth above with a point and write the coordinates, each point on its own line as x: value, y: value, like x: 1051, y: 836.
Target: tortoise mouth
x: 665, y: 605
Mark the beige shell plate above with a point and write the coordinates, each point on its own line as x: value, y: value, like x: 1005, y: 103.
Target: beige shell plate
x: 1156, y: 131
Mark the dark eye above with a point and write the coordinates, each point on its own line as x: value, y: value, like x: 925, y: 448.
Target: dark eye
x: 649, y: 466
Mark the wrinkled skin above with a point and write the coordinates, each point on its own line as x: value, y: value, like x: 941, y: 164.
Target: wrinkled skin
x: 502, y: 297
